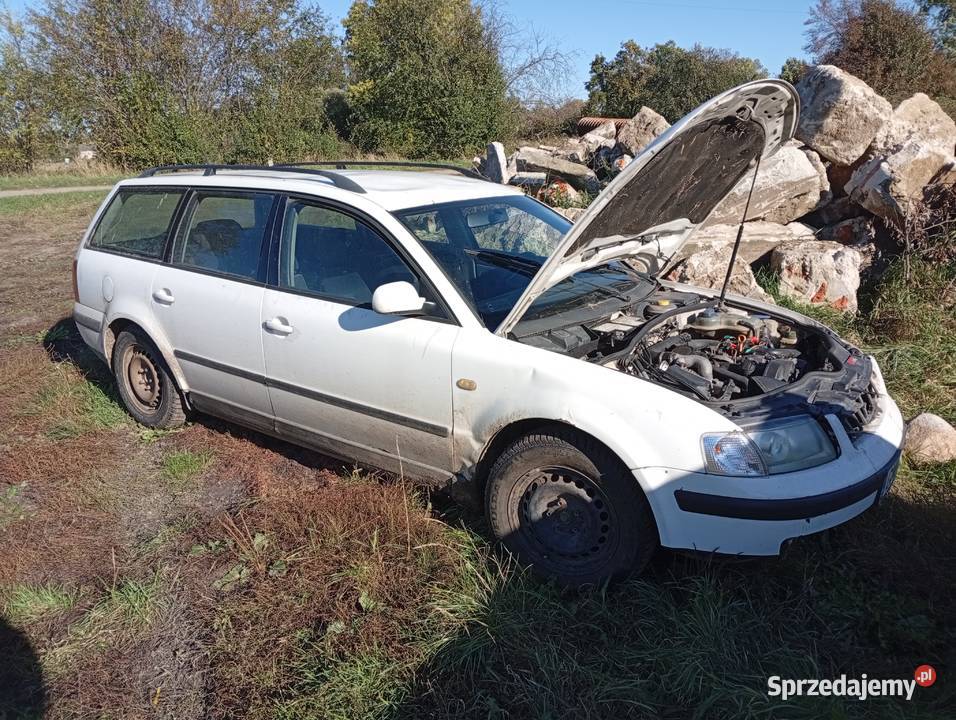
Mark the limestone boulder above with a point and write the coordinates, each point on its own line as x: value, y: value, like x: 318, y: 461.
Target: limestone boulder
x: 918, y: 117
x: 840, y: 114
x: 930, y: 440
x: 603, y: 136
x: 581, y: 177
x: 707, y: 268
x: 496, y: 164
x: 818, y: 272
x: 887, y: 185
x: 757, y: 242
x: 788, y: 187
x: 640, y: 130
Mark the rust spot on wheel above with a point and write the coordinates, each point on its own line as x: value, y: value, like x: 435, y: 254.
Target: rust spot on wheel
x: 142, y: 377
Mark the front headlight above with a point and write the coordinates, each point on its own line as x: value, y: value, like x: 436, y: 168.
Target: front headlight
x: 775, y: 446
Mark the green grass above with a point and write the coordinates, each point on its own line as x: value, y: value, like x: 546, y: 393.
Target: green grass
x: 124, y: 612
x: 56, y: 180
x: 181, y: 468
x: 46, y: 204
x: 28, y: 603
x: 11, y: 504
x: 88, y: 407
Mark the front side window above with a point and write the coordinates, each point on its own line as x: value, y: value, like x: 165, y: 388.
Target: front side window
x: 326, y: 252
x: 225, y: 232
x: 137, y: 222
x: 490, y: 248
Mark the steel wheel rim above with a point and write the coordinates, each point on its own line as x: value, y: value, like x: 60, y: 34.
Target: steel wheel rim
x: 142, y: 378
x: 565, y: 517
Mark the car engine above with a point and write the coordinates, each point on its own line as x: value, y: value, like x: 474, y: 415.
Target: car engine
x: 740, y: 360
x: 724, y: 354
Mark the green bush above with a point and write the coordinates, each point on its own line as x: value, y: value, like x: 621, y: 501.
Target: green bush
x: 667, y: 78
x: 426, y: 79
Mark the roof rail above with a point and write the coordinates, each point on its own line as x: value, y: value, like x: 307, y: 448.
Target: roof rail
x: 358, y: 164
x: 339, y: 181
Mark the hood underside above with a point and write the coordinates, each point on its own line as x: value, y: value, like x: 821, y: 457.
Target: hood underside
x: 653, y: 206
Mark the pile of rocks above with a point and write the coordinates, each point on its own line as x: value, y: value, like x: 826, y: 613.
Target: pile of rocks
x: 822, y: 205
x: 575, y: 171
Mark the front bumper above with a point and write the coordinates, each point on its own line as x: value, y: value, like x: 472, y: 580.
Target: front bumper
x: 757, y: 516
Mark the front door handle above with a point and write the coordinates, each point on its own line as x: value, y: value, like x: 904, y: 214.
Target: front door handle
x: 279, y: 326
x: 164, y: 297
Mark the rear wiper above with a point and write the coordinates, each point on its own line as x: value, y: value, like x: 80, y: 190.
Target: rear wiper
x: 502, y: 259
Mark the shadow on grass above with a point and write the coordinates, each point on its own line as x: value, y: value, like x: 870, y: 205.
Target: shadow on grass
x: 22, y: 690
x: 694, y: 637
x: 63, y: 343
x: 699, y: 636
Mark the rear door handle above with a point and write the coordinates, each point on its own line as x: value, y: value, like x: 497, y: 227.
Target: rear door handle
x: 279, y: 326
x: 164, y: 297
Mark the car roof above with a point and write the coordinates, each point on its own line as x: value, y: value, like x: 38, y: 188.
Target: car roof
x: 390, y: 189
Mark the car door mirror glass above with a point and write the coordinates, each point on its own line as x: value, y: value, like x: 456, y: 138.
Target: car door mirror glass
x: 397, y: 298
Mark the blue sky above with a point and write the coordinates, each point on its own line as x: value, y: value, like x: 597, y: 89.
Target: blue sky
x: 769, y: 30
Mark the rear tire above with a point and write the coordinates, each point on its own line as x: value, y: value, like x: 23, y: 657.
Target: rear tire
x: 566, y: 505
x: 145, y: 382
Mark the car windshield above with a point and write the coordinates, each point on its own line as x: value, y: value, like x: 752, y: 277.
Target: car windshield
x: 491, y: 248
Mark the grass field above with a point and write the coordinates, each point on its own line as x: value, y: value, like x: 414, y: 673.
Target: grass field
x: 47, y: 205
x: 62, y: 176
x: 213, y: 572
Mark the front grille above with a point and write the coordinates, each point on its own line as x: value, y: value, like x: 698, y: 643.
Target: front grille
x: 854, y: 421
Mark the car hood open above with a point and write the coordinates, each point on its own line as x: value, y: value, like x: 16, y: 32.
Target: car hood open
x: 655, y: 204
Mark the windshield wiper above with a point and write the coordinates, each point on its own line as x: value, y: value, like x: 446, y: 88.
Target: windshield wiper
x: 503, y: 259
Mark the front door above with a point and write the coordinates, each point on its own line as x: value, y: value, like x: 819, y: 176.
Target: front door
x: 364, y: 386
x: 209, y: 299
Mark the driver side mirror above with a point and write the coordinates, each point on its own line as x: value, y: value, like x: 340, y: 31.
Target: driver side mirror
x: 397, y: 298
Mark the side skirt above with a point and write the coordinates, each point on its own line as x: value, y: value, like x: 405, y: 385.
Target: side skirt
x: 328, y: 444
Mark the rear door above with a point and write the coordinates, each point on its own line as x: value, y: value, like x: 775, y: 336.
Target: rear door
x: 208, y: 301
x: 344, y: 379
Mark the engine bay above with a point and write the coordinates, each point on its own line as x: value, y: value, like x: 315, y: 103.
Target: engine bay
x: 724, y: 355
x: 729, y: 355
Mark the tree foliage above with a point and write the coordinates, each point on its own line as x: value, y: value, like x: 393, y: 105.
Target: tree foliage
x: 888, y: 45
x: 426, y: 77
x: 793, y: 69
x: 670, y: 79
x: 165, y: 81
x: 24, y: 135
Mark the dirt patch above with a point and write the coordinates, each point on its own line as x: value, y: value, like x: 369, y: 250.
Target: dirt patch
x: 36, y: 255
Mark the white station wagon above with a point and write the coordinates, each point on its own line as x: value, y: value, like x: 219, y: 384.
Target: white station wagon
x: 458, y: 331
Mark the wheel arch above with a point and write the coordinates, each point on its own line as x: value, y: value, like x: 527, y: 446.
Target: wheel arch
x: 120, y: 323
x: 508, y: 433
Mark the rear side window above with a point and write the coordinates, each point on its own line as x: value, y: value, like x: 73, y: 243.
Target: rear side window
x: 137, y: 222
x: 225, y: 232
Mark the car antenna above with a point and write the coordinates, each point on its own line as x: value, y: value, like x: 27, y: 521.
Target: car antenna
x: 740, y: 234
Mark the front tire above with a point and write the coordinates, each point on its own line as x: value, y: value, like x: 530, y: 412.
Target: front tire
x: 565, y: 505
x: 145, y: 383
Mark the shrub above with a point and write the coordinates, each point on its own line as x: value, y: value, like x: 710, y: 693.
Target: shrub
x: 426, y: 77
x: 667, y: 78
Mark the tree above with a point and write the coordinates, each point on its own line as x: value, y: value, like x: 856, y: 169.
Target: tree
x: 942, y: 14
x: 425, y: 77
x: 887, y: 45
x: 24, y: 134
x: 167, y: 81
x: 793, y: 69
x: 670, y: 79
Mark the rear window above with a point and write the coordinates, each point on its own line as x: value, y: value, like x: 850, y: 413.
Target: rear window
x: 224, y: 232
x: 137, y: 222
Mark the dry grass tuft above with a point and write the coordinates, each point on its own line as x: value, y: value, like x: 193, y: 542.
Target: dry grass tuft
x: 303, y: 582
